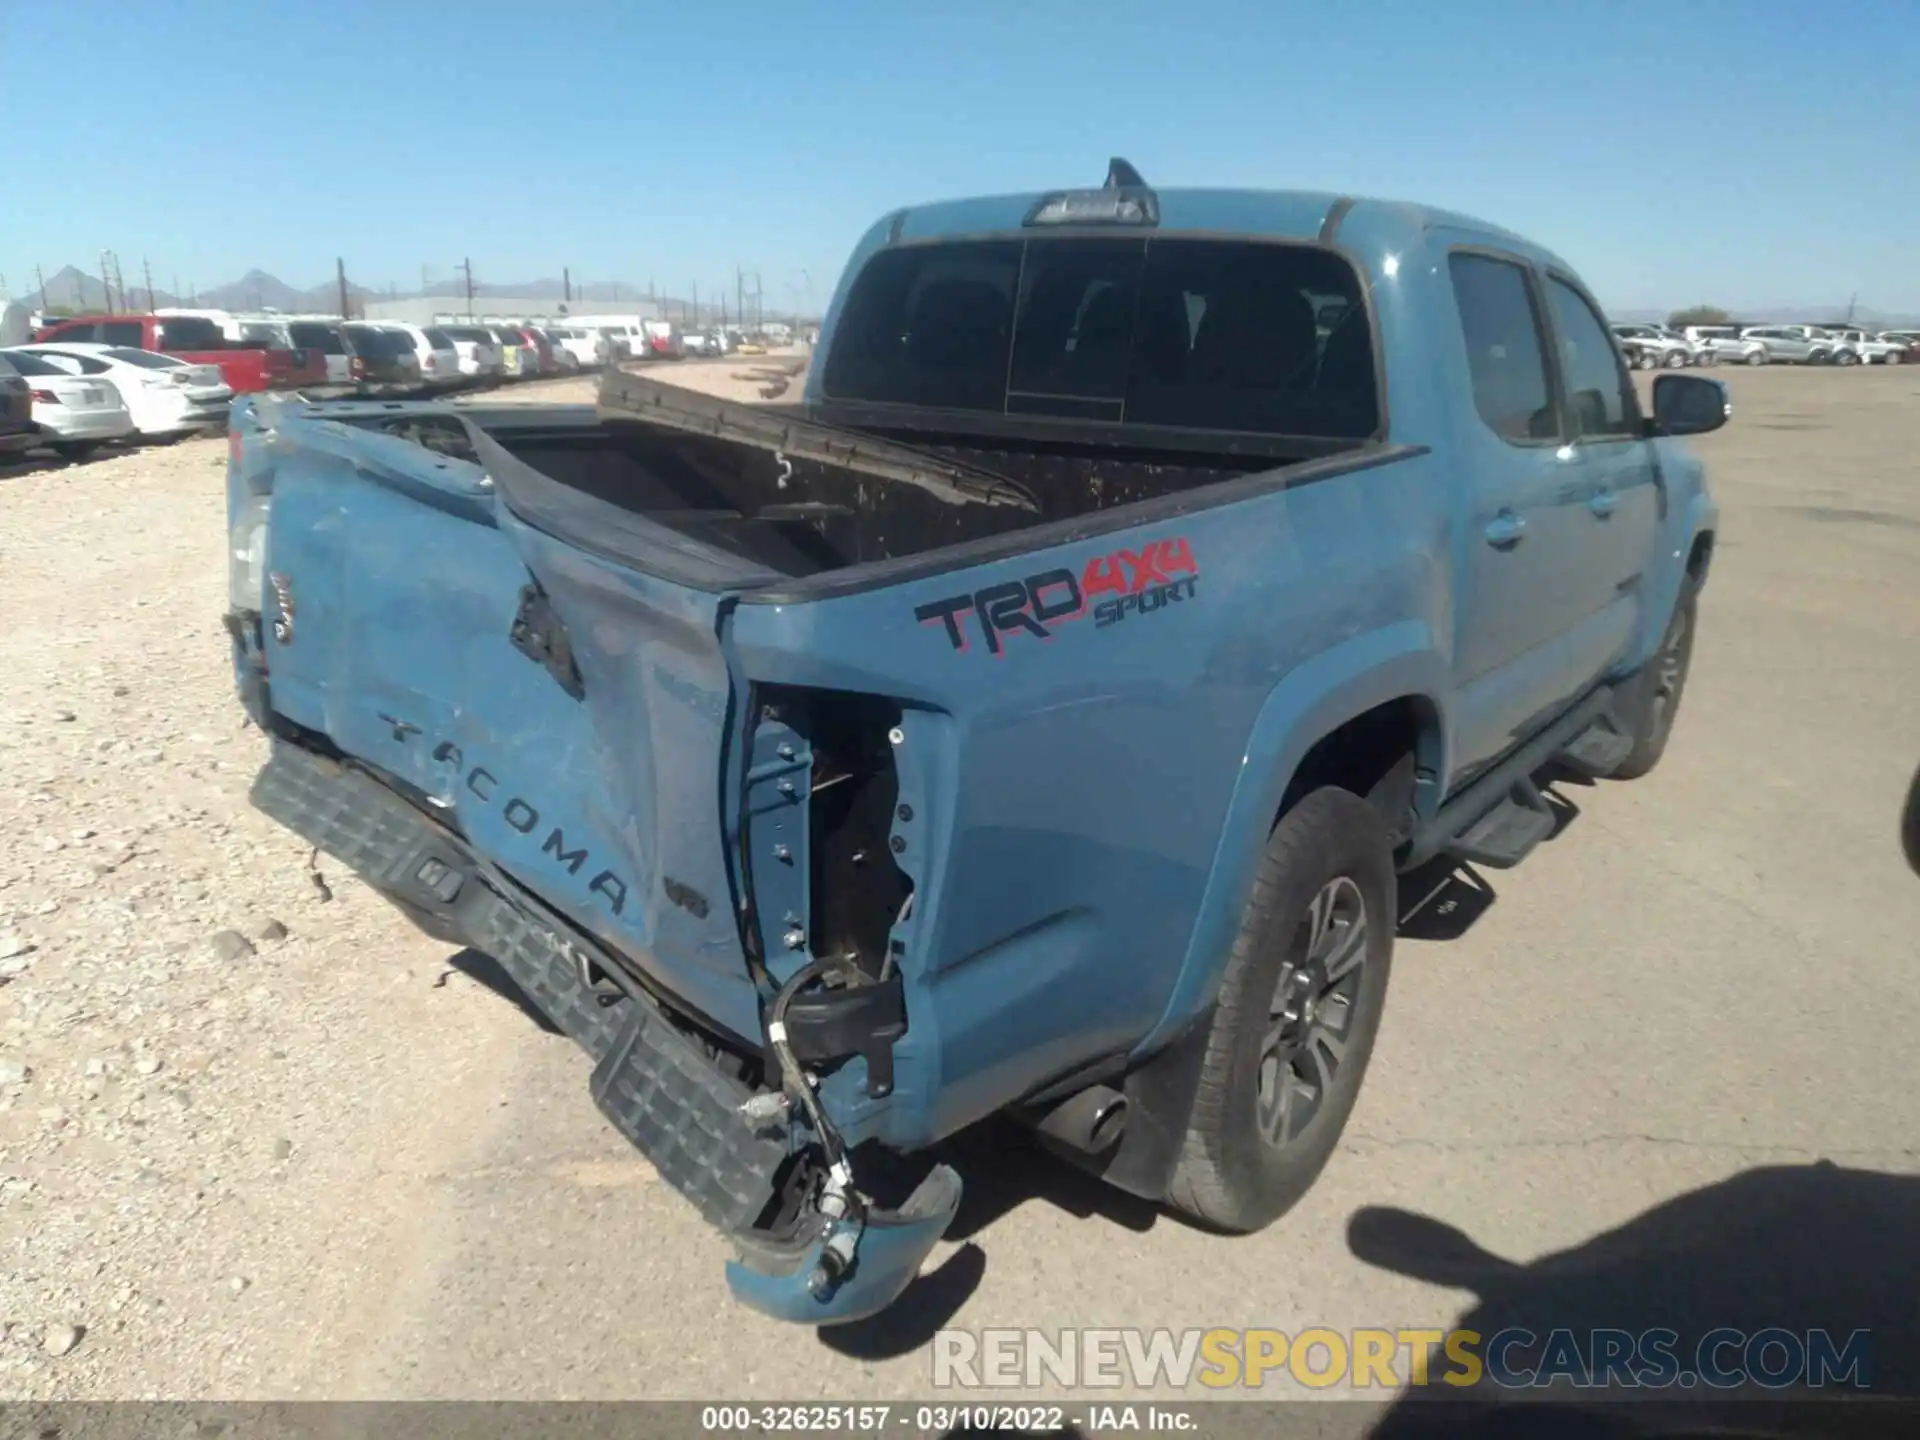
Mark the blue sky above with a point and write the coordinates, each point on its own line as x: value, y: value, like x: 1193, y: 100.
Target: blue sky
x: 1744, y: 152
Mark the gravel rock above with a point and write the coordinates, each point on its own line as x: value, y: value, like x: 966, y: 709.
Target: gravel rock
x: 269, y: 929
x: 13, y: 944
x: 230, y: 945
x: 15, y: 1072
x: 62, y: 1338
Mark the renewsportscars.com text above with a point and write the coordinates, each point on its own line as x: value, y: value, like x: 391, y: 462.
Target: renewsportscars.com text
x: 1376, y: 1359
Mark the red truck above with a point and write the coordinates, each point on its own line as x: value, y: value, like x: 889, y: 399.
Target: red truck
x: 198, y: 341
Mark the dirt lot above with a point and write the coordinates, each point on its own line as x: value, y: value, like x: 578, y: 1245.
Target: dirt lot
x: 259, y: 1138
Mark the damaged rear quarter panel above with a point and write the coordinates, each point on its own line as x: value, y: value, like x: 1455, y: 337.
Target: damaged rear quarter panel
x: 1070, y: 787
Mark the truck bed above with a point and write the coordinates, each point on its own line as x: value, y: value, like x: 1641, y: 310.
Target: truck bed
x: 780, y: 494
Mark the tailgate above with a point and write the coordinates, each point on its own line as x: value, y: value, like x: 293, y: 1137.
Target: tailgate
x: 400, y: 586
x: 244, y: 371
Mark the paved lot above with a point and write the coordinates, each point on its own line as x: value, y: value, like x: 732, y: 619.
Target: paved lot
x: 1708, y: 974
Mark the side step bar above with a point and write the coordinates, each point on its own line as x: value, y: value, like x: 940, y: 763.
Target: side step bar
x: 1501, y: 816
x: 1506, y: 834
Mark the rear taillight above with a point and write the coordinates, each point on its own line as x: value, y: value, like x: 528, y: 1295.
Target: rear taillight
x: 47, y: 397
x: 357, y: 368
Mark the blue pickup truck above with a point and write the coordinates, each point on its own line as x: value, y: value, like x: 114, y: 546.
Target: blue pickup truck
x: 1032, y: 720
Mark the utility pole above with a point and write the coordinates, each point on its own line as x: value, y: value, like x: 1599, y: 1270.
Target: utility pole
x: 40, y: 275
x: 146, y: 268
x: 120, y: 281
x: 466, y: 269
x: 696, y: 302
x: 566, y: 284
x: 340, y: 273
x: 106, y: 282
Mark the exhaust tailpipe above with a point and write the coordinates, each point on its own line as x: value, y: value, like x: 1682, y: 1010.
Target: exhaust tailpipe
x: 1090, y: 1121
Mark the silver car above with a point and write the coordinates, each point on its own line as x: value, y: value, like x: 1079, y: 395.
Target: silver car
x: 1657, y: 344
x: 1726, y: 345
x: 1793, y: 344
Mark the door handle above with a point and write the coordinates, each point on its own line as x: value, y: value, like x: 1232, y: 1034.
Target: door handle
x: 1505, y: 530
x: 1603, y: 503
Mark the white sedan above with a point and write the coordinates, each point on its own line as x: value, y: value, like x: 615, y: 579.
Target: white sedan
x: 78, y: 413
x: 165, y: 396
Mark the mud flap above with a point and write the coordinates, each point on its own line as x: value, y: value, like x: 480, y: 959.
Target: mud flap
x: 892, y: 1248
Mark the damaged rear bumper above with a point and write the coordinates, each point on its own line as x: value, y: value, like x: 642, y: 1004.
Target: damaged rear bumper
x: 655, y: 1078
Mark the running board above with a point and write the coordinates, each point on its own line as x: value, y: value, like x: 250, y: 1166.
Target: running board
x: 1506, y: 834
x: 1463, y: 813
x: 1597, y: 751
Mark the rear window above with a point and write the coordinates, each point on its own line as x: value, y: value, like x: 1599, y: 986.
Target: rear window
x: 438, y: 339
x: 186, y: 332
x: 1258, y: 337
x: 314, y: 335
x: 25, y: 364
x: 84, y: 364
x: 145, y: 359
x: 380, y: 344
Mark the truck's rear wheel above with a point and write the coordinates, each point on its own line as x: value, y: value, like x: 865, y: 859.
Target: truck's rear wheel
x: 1299, y: 1008
x: 1653, y: 696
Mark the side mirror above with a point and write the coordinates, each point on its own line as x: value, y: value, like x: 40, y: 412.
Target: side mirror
x: 1689, y: 405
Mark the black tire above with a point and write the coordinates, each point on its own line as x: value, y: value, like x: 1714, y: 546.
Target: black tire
x: 1230, y: 1174
x: 1676, y: 359
x: 1652, y: 698
x: 1758, y: 357
x: 75, y: 450
x: 1910, y: 824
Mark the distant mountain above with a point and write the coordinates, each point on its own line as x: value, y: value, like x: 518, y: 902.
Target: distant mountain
x: 74, y: 289
x: 257, y: 290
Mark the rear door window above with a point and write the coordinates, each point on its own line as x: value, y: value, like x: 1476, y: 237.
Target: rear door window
x: 1506, y: 355
x: 1182, y: 333
x: 438, y: 339
x: 178, y: 332
x: 316, y: 335
x: 123, y: 332
x: 1598, y: 392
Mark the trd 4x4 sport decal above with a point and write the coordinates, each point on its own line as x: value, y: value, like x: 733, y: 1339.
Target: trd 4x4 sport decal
x: 1140, y: 582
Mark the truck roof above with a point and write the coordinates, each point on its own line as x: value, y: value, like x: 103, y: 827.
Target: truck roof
x: 1275, y: 214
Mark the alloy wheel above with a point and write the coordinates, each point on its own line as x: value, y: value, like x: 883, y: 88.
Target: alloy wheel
x: 1312, y: 1012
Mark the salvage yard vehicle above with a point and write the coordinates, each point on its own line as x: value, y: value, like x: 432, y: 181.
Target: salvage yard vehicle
x: 166, y: 397
x: 1667, y: 348
x: 17, y: 431
x: 1870, y: 349
x: 479, y: 351
x: 381, y: 358
x: 1034, y: 721
x: 1792, y: 344
x: 76, y: 414
x: 247, y: 369
x: 1724, y: 342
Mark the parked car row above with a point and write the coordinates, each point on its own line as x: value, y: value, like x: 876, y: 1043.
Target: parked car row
x: 72, y: 397
x: 1653, y: 347
x: 327, y: 355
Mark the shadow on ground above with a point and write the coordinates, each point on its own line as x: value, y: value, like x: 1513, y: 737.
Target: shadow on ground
x: 1793, y: 1250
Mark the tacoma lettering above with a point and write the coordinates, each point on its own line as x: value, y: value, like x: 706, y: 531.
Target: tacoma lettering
x: 524, y: 817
